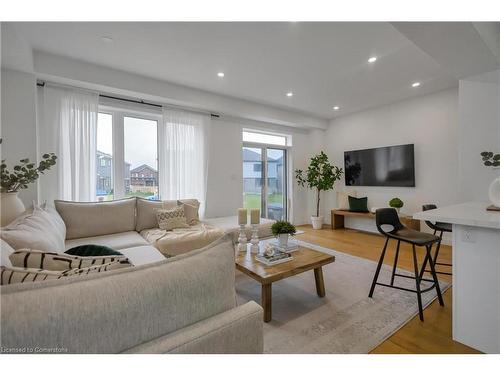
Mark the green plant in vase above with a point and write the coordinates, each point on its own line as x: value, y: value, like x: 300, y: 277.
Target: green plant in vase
x: 396, y: 203
x: 282, y: 230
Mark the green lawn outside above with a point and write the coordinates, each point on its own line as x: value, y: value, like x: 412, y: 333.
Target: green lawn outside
x: 254, y: 201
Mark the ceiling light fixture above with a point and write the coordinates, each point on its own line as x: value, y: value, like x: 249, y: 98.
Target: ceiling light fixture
x: 107, y: 39
x: 415, y: 84
x: 220, y: 74
x: 372, y: 59
x: 336, y: 108
x: 289, y: 94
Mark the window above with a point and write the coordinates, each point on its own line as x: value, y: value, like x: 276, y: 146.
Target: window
x: 141, y: 157
x: 266, y: 138
x: 265, y: 174
x: 104, y: 155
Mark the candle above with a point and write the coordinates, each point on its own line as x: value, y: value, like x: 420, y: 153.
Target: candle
x: 255, y: 216
x: 242, y: 216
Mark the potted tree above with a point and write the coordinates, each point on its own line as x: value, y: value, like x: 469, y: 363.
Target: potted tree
x: 282, y: 230
x: 12, y: 181
x: 320, y: 175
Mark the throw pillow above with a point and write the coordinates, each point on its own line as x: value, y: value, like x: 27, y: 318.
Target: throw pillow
x: 191, y: 213
x: 27, y: 258
x: 358, y: 204
x: 40, y: 229
x: 171, y: 219
x: 92, y: 251
x: 14, y: 275
x: 146, y: 215
x: 5, y: 251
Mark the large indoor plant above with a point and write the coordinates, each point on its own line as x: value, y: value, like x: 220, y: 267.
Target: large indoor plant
x: 493, y: 160
x: 19, y: 178
x: 321, y: 176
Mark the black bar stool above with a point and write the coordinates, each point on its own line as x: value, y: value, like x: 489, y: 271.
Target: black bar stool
x: 441, y: 228
x: 389, y: 216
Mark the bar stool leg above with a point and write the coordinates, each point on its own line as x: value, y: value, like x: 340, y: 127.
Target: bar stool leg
x: 395, y: 263
x: 438, y: 247
x: 434, y: 276
x: 379, y: 266
x: 417, y: 282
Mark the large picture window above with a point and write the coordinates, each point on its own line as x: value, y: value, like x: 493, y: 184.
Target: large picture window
x: 129, y: 139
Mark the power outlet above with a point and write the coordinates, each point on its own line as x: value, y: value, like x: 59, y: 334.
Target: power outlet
x: 468, y: 235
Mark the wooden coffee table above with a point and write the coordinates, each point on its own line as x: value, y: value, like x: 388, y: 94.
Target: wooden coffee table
x: 304, y: 260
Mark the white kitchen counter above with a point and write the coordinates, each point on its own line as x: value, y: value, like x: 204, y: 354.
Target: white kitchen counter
x: 476, y: 272
x: 471, y: 213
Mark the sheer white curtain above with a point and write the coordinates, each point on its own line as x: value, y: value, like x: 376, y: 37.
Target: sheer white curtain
x: 183, y: 155
x: 67, y: 125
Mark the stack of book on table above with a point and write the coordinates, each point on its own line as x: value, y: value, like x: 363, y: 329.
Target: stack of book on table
x: 277, y: 258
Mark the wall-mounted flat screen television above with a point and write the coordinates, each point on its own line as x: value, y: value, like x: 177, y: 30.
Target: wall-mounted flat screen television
x: 383, y: 166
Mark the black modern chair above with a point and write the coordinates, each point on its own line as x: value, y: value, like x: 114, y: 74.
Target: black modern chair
x: 441, y: 228
x: 400, y: 233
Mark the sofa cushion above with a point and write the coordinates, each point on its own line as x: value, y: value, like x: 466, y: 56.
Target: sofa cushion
x: 28, y: 258
x: 140, y: 255
x: 146, y: 216
x: 229, y: 224
x: 85, y: 219
x: 116, y: 241
x: 124, y: 307
x: 41, y: 229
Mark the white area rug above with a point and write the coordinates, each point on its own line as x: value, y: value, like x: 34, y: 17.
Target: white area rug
x: 345, y: 320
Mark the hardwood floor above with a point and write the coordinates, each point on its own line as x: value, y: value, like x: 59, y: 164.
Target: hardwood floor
x: 432, y: 336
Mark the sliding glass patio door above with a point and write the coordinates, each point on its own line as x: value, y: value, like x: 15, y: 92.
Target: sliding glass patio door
x: 264, y: 181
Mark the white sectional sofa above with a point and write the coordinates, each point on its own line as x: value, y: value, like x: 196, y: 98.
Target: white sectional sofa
x: 130, y: 226
x: 183, y: 304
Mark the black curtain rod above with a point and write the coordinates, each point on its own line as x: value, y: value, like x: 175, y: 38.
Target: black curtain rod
x: 42, y: 84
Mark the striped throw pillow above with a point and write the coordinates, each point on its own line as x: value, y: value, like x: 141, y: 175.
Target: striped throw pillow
x: 15, y: 275
x: 28, y: 258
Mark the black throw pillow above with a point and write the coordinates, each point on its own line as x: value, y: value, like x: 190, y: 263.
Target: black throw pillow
x: 358, y: 204
x: 92, y: 251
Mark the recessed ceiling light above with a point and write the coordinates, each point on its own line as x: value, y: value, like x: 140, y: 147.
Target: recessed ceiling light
x: 289, y: 94
x: 220, y: 74
x: 415, y: 84
x: 107, y: 39
x: 336, y: 108
x: 372, y: 59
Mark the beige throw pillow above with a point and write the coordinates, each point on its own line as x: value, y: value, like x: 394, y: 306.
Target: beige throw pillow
x: 146, y: 215
x: 171, y: 219
x: 41, y: 229
x: 191, y: 213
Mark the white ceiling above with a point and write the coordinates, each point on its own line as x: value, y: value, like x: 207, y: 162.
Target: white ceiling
x: 324, y: 64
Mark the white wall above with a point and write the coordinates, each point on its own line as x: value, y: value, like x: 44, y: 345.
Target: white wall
x: 430, y: 123
x: 225, y: 188
x: 18, y: 128
x: 479, y: 130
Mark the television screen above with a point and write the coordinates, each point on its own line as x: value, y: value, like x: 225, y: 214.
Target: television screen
x: 383, y: 166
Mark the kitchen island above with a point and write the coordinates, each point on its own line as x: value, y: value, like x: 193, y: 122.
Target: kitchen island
x: 476, y: 272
